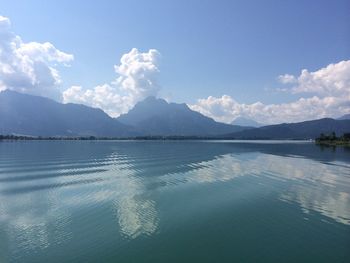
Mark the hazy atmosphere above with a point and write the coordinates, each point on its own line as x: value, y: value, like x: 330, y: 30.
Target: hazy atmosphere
x: 271, y: 61
x: 175, y: 131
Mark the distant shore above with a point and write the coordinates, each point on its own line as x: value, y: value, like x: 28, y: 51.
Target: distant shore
x: 145, y: 138
x: 324, y: 141
x: 95, y: 138
x: 333, y: 140
x: 333, y: 143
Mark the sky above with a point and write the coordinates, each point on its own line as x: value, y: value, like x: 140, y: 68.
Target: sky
x: 271, y: 61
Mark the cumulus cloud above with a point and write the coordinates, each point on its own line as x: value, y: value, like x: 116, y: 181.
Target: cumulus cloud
x: 105, y: 97
x: 287, y: 78
x: 330, y: 97
x: 226, y: 109
x: 331, y: 80
x: 29, y: 67
x: 138, y: 73
x: 136, y: 80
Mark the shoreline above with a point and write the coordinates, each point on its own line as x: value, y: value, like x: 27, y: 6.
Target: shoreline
x: 141, y: 138
x: 333, y: 143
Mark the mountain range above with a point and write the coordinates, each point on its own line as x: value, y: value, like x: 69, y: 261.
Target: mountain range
x: 242, y: 121
x: 301, y: 130
x: 154, y: 116
x: 345, y: 117
x: 23, y: 114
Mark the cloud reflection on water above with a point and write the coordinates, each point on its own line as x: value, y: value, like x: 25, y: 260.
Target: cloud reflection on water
x: 131, y: 174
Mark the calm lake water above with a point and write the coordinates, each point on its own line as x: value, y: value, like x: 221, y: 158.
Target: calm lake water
x: 154, y: 201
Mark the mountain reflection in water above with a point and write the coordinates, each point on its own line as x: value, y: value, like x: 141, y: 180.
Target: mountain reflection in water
x: 54, y: 193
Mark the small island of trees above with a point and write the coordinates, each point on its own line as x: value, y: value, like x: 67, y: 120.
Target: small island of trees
x: 333, y: 140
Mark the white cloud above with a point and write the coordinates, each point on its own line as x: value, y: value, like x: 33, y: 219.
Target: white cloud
x: 32, y: 68
x: 138, y: 73
x: 105, y: 97
x: 331, y: 80
x: 44, y: 52
x: 137, y: 80
x: 226, y: 109
x: 287, y: 78
x: 330, y: 84
x: 29, y: 67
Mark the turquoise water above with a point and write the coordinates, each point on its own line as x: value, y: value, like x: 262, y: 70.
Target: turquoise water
x: 155, y: 201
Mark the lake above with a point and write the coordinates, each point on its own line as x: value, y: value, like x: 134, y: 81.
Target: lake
x: 174, y: 201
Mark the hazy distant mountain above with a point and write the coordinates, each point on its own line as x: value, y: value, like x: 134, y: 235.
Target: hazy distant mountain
x: 158, y: 117
x: 300, y: 130
x: 345, y: 117
x: 38, y: 116
x: 241, y: 121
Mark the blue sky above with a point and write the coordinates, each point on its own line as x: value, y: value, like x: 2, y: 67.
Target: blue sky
x: 208, y: 48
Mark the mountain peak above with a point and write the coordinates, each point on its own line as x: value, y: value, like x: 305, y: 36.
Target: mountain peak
x: 242, y: 121
x: 158, y: 117
x: 345, y: 117
x: 9, y: 92
x: 152, y: 100
x: 39, y: 116
x: 298, y: 130
x: 158, y: 101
